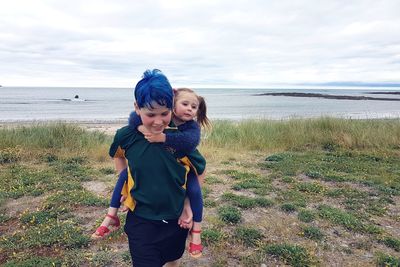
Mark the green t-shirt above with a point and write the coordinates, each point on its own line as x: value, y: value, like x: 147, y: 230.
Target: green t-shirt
x: 159, y: 179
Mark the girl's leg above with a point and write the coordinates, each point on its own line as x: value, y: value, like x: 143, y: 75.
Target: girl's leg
x: 111, y: 218
x: 196, y: 203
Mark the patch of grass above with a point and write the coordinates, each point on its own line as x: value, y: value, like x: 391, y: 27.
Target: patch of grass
x: 40, y: 217
x: 107, y: 171
x: 347, y: 192
x: 249, y: 236
x: 314, y: 188
x: 34, y: 262
x: 348, y: 220
x: 74, y: 198
x: 247, y: 202
x: 54, y: 233
x: 339, y: 166
x: 209, y: 203
x: 392, y: 242
x: 313, y: 233
x: 74, y: 258
x: 73, y: 168
x: 313, y: 174
x: 102, y: 258
x: 292, y: 254
x: 295, y: 197
x: 288, y: 207
x: 18, y: 181
x: 384, y: 260
x: 288, y: 179
x: 277, y: 157
x: 211, y: 236
x: 229, y: 214
x: 205, y: 191
x: 247, y: 184
x: 211, y: 179
x: 306, y: 215
x: 10, y: 154
x: 239, y: 175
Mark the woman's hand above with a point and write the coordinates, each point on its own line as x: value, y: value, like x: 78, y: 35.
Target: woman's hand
x: 186, y: 218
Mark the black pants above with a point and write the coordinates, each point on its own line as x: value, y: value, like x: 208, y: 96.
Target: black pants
x: 154, y: 243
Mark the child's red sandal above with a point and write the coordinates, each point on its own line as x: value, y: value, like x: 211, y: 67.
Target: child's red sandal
x: 195, y: 247
x: 103, y: 231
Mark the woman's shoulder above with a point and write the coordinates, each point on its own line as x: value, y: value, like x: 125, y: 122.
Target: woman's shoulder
x: 125, y: 132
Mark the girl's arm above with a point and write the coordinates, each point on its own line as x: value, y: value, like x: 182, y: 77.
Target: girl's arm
x: 186, y: 139
x: 120, y: 164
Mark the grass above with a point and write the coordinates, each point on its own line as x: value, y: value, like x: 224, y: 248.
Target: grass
x: 336, y: 181
x: 313, y: 233
x: 230, y: 214
x: 292, y: 254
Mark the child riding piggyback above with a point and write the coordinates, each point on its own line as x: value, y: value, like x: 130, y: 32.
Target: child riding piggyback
x: 189, y: 115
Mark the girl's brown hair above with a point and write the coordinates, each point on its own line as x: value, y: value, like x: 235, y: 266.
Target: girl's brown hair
x: 201, y: 116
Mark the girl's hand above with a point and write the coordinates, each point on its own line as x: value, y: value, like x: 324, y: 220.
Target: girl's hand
x: 186, y: 219
x: 123, y: 208
x: 155, y: 138
x: 152, y: 138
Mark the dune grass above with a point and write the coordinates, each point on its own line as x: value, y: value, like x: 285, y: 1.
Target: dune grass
x: 267, y: 135
x: 303, y: 192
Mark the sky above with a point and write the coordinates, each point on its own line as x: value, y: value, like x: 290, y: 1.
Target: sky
x: 204, y: 43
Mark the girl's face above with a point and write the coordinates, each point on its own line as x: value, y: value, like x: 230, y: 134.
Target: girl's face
x: 186, y: 106
x: 154, y: 119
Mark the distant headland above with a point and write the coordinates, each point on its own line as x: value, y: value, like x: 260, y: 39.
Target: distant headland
x: 344, y: 97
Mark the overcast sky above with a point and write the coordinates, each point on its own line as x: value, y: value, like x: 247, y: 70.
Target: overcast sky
x: 204, y: 43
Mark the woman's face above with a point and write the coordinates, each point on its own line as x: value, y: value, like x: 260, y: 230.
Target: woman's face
x: 154, y: 119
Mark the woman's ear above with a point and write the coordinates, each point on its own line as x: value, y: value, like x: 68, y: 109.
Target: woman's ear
x: 137, y: 109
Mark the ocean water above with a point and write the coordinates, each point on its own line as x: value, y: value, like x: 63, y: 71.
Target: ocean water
x: 115, y: 104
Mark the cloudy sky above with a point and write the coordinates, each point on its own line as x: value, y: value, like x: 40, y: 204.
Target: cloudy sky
x: 204, y: 43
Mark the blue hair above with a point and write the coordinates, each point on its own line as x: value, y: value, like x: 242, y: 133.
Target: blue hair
x: 153, y: 87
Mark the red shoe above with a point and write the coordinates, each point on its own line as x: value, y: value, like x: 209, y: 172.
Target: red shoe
x: 104, y: 231
x: 195, y: 247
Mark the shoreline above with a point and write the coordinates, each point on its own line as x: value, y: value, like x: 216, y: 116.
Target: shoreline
x: 340, y: 97
x: 107, y: 127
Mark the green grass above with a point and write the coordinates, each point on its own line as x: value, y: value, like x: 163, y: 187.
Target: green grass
x: 229, y: 214
x: 211, y: 236
x: 354, y: 165
x: 248, y: 235
x: 55, y: 136
x: 346, y: 219
x: 324, y: 133
x: 340, y: 166
x: 289, y: 207
x: 53, y: 233
x: 393, y: 243
x: 247, y: 202
x: 384, y: 260
x: 34, y: 262
x: 313, y: 233
x: 292, y: 254
x: 306, y: 215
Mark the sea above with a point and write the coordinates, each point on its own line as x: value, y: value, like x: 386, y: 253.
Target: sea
x: 113, y: 105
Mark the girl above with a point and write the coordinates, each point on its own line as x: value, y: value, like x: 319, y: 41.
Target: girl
x: 189, y: 112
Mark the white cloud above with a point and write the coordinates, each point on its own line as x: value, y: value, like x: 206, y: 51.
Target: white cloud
x: 199, y: 43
